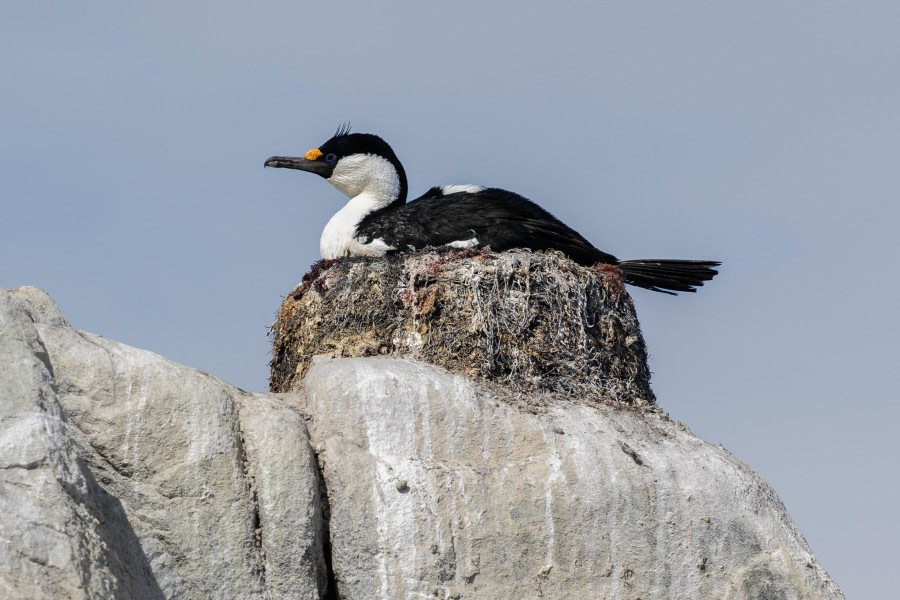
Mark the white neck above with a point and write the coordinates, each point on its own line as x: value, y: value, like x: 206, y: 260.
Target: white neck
x: 371, y: 182
x: 340, y: 232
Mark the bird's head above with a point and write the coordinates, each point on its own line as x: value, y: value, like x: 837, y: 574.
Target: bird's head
x: 354, y: 163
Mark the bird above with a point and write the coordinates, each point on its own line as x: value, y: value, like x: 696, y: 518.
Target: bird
x: 378, y: 220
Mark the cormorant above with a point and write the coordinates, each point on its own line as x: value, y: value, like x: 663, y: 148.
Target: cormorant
x: 378, y: 219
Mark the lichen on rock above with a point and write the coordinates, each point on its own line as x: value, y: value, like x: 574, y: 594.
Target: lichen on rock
x: 529, y: 321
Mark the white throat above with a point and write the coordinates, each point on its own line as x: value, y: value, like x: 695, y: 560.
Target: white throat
x: 366, y: 173
x: 371, y: 182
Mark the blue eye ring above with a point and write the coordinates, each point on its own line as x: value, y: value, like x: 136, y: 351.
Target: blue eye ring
x: 331, y: 158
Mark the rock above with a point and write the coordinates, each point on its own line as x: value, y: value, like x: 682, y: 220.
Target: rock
x: 37, y: 305
x: 287, y: 493
x: 53, y: 543
x: 124, y: 475
x: 130, y: 476
x: 437, y: 489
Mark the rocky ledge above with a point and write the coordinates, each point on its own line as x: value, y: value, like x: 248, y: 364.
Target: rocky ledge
x: 124, y: 475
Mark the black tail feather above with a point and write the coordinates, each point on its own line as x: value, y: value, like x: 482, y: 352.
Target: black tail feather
x: 668, y: 276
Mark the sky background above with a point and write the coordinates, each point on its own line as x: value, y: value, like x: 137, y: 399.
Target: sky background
x: 765, y: 135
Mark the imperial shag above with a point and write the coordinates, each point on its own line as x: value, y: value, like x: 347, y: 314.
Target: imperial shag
x: 378, y: 219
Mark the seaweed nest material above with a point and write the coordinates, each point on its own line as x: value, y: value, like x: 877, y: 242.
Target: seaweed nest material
x: 528, y: 321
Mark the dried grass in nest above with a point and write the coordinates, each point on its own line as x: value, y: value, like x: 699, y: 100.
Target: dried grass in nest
x: 527, y: 321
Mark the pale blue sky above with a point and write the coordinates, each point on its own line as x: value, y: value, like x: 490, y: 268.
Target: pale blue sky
x: 766, y: 135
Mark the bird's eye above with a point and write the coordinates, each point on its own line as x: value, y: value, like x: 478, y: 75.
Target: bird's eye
x: 331, y: 158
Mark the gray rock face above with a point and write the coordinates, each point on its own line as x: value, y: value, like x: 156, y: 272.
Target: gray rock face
x: 123, y: 475
x: 438, y: 490
x: 128, y: 476
x: 52, y: 541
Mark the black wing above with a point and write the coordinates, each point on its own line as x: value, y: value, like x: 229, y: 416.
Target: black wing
x: 494, y: 217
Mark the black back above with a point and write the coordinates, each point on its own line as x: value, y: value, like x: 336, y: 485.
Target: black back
x: 497, y: 218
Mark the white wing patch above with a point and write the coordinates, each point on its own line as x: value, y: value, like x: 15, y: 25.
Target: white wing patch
x: 464, y: 243
x: 446, y: 190
x: 376, y: 247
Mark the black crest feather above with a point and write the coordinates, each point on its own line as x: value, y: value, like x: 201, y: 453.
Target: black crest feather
x: 343, y: 129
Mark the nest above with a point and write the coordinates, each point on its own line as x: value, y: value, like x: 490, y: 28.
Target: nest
x: 527, y: 321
